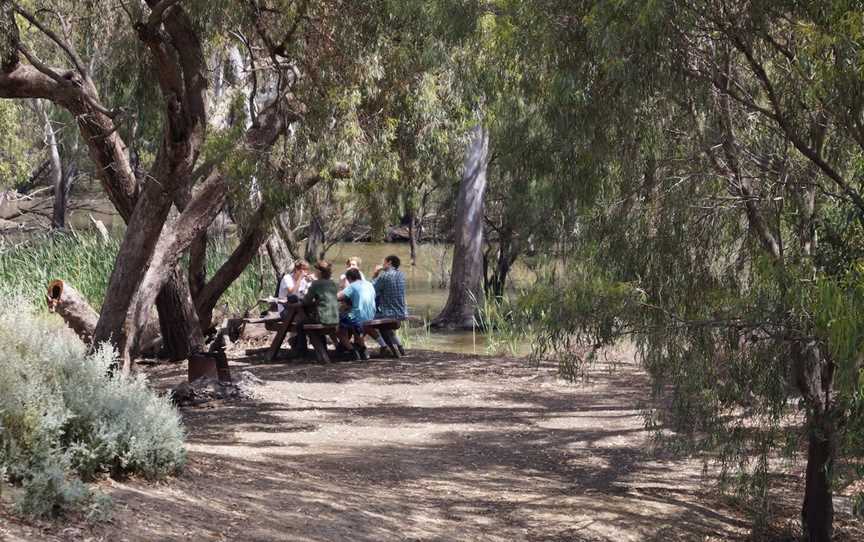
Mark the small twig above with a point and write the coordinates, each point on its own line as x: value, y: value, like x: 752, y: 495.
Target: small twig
x: 315, y: 400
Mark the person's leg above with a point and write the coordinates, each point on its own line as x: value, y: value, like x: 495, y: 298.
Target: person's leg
x: 299, y: 344
x: 394, y: 336
x: 360, y: 343
x: 344, y: 338
x: 347, y: 328
x: 379, y: 337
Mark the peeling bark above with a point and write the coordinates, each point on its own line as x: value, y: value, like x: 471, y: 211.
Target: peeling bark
x: 466, y: 280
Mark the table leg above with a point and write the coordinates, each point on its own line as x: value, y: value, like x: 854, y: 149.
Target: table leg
x: 279, y: 338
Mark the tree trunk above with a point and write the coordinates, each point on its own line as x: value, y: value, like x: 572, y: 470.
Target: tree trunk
x: 505, y: 258
x: 160, y: 274
x: 277, y: 251
x: 198, y: 264
x: 178, y: 321
x: 58, y: 216
x: 814, y: 374
x: 73, y: 308
x: 130, y: 265
x: 256, y: 234
x: 466, y: 280
x: 412, y: 237
x: 817, y: 512
x: 315, y: 239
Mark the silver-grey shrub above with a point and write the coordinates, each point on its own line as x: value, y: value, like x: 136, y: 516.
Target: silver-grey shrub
x: 64, y: 419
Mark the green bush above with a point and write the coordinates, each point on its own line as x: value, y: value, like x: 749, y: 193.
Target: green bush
x: 64, y: 419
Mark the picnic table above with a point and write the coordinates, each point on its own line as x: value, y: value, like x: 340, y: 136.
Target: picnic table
x: 317, y: 333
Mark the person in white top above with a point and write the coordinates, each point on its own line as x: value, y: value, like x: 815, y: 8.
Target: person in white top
x: 352, y: 263
x: 293, y: 285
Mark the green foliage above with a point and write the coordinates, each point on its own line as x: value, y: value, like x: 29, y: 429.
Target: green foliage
x: 690, y: 207
x: 18, y: 147
x: 65, y: 420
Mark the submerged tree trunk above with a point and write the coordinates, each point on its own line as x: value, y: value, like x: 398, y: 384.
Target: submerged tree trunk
x: 505, y: 257
x: 466, y: 279
x: 412, y: 237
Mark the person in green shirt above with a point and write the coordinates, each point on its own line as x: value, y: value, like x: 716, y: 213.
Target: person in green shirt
x: 319, y: 306
x: 320, y: 302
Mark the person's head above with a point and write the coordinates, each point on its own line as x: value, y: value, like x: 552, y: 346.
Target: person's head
x: 352, y: 274
x: 353, y: 261
x: 301, y: 266
x: 324, y: 270
x: 392, y: 261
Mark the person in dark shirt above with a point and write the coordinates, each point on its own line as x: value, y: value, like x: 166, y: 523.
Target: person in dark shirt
x: 318, y: 306
x: 389, y: 283
x: 320, y: 301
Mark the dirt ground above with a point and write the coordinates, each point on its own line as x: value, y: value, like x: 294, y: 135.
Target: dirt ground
x: 430, y: 447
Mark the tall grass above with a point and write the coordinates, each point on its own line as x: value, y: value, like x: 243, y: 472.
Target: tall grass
x: 507, y: 323
x: 86, y: 260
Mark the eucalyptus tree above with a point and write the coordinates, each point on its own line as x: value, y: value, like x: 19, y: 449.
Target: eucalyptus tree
x: 306, y: 63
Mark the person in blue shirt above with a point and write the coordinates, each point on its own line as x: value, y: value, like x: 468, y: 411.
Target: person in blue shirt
x: 361, y: 294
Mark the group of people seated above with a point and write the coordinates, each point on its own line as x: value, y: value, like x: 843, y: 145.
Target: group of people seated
x: 313, y: 297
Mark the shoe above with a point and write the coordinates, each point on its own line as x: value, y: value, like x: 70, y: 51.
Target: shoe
x: 363, y: 355
x: 357, y: 355
x: 401, y: 349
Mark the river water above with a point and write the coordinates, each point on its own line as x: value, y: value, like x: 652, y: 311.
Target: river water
x: 426, y: 289
x: 426, y: 281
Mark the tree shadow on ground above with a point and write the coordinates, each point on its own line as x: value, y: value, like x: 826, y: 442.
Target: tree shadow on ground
x: 430, y: 447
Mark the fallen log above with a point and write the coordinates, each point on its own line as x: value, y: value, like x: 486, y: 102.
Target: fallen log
x: 73, y: 308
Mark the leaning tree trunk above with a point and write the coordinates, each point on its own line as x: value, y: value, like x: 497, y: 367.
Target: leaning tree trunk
x: 279, y: 254
x: 73, y: 308
x: 466, y: 279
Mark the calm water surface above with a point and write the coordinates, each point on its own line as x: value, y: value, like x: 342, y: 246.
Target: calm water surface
x: 426, y: 281
x: 426, y: 289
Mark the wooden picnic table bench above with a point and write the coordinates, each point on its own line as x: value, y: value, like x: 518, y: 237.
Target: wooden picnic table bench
x: 387, y: 328
x: 317, y: 333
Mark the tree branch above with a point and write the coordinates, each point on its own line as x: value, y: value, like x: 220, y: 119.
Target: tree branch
x: 63, y: 44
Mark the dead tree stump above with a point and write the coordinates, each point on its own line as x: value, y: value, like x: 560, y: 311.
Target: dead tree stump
x: 73, y: 308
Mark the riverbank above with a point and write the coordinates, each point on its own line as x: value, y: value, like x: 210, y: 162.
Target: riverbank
x: 433, y: 446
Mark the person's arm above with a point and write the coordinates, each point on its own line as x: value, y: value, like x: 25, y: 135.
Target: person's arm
x: 344, y: 294
x: 296, y: 279
x: 378, y: 285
